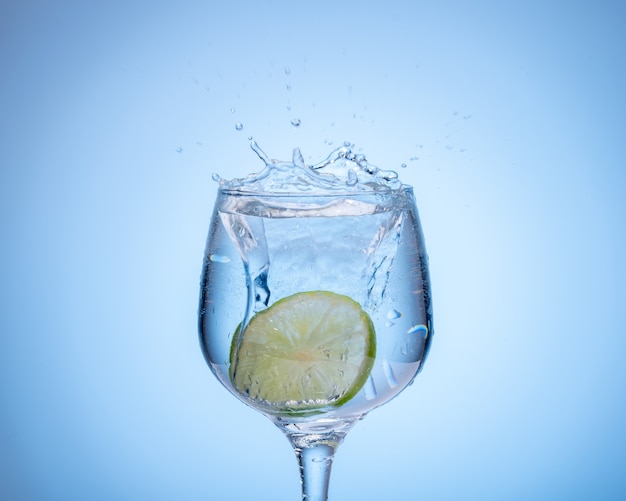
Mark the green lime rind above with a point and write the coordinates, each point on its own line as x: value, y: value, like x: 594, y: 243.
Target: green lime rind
x: 306, y: 353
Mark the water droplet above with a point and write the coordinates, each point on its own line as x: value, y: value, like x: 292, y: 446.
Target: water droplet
x: 296, y: 122
x: 179, y: 150
x: 420, y: 329
x: 392, y: 314
x: 232, y: 110
x: 217, y: 258
x: 216, y: 177
x: 239, y: 126
x: 403, y: 166
x: 287, y: 70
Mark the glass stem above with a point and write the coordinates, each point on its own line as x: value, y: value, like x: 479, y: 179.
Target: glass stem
x: 315, y: 460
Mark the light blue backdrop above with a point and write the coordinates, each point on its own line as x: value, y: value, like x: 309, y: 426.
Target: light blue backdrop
x: 510, y: 118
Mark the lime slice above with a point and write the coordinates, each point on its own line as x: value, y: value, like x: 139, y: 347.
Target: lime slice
x: 305, y: 352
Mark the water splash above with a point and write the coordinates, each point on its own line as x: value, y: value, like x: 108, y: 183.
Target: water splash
x: 260, y: 153
x: 352, y: 178
x: 341, y: 171
x: 298, y: 159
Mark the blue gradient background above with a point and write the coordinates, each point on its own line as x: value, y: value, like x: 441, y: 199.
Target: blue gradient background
x: 511, y: 118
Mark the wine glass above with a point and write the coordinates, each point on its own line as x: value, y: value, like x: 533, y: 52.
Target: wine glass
x: 315, y: 302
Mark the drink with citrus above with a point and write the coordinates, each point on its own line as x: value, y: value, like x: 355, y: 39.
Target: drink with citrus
x: 315, y: 299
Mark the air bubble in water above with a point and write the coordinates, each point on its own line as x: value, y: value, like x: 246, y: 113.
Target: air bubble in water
x: 239, y: 126
x: 232, y: 110
x: 179, y: 150
x: 287, y: 70
x: 262, y: 291
x: 403, y: 166
x: 296, y: 122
